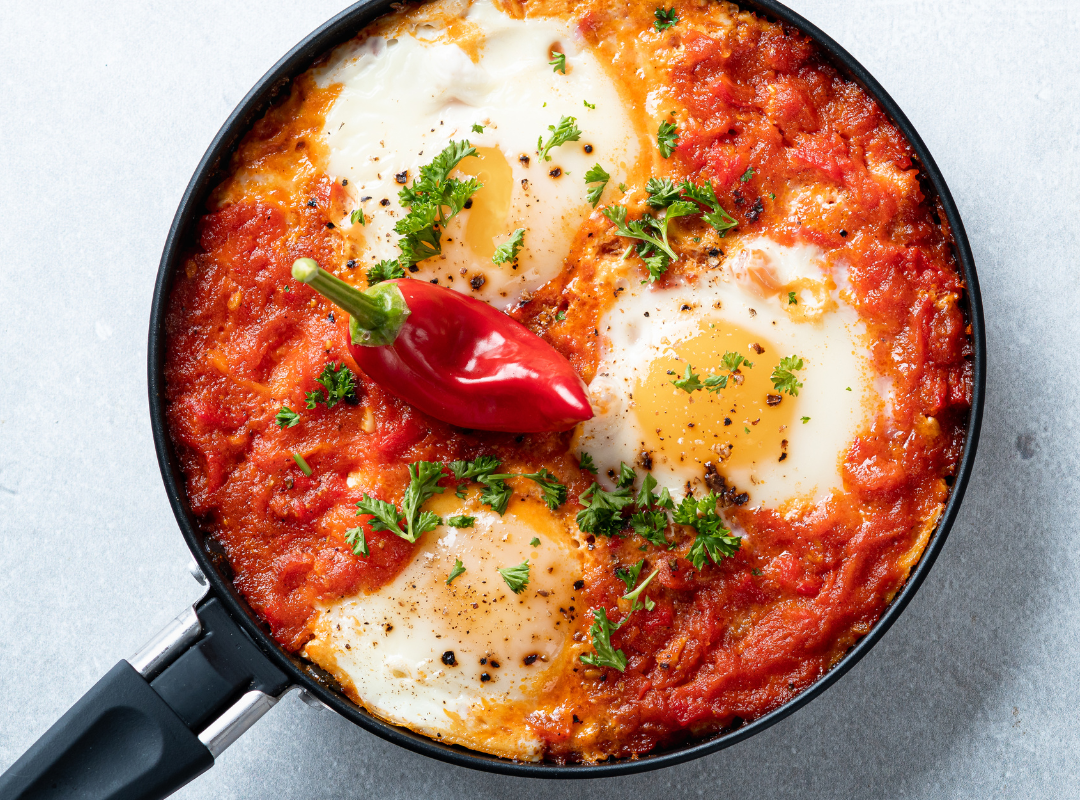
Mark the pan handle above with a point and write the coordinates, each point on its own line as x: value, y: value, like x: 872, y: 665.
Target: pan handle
x: 156, y: 720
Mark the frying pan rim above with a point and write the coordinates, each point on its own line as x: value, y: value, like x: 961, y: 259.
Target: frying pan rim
x: 337, y: 30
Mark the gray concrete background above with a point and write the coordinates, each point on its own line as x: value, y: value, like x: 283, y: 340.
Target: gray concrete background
x: 105, y: 110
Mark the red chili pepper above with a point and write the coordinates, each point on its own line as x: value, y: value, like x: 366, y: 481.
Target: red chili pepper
x: 455, y: 357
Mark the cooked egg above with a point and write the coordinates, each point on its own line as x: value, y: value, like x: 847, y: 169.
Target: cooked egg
x: 766, y: 301
x: 405, y: 96
x: 458, y: 661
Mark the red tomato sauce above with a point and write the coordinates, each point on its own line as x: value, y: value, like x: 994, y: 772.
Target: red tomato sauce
x: 724, y: 644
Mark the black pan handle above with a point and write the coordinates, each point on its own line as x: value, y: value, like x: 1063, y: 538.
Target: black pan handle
x: 156, y: 721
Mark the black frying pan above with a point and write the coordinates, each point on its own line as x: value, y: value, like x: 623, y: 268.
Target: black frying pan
x: 160, y: 718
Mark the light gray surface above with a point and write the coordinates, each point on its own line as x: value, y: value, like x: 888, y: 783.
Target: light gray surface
x: 104, y: 113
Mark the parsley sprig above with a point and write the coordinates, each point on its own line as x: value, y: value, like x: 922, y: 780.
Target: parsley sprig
x: 386, y: 270
x: 496, y: 492
x: 713, y: 538
x: 338, y: 384
x: 566, y: 131
x: 783, y: 376
x: 286, y: 418
x: 691, y: 382
x: 433, y: 200
x: 664, y: 18
x: 558, y: 62
x: 424, y: 479
x: 516, y: 577
x: 597, y: 178
x: 667, y: 136
x: 508, y: 250
x: 606, y: 655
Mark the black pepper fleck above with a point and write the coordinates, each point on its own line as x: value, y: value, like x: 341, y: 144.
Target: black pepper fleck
x: 843, y: 233
x: 484, y: 677
x: 413, y: 268
x: 477, y: 281
x: 330, y: 225
x: 588, y: 148
x: 385, y: 201
x: 449, y: 658
x: 351, y: 263
x: 555, y: 172
x: 530, y: 659
x: 402, y: 176
x: 755, y: 211
x: 579, y: 585
x: 468, y: 203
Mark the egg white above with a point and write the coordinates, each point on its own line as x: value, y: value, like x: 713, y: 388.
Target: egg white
x: 646, y: 322
x: 403, y: 99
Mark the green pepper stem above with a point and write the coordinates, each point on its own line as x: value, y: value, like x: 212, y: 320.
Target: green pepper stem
x: 368, y: 312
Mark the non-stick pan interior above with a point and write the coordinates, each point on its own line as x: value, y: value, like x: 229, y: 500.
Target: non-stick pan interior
x: 210, y: 558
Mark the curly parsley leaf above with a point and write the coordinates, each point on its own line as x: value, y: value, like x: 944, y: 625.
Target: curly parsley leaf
x: 627, y: 476
x: 495, y: 494
x: 596, y: 175
x: 387, y: 270
x: 732, y: 360
x: 606, y: 655
x: 286, y: 418
x: 650, y: 526
x: 508, y: 250
x: 664, y: 18
x: 535, y: 542
x: 719, y: 219
x: 587, y: 463
x: 357, y: 216
x: 459, y: 569
x: 338, y: 384
x: 474, y: 470
x: 558, y: 62
x: 433, y: 200
x: 792, y: 299
x: 713, y: 537
x: 639, y: 229
x: 566, y: 131
x: 662, y: 192
x: 460, y: 521
x: 477, y: 128
x: 603, y: 515
x: 424, y: 479
x: 783, y: 376
x: 554, y: 493
x: 667, y: 136
x: 517, y: 577
x: 747, y: 175
x: 630, y: 576
x: 690, y: 382
x: 354, y: 537
x: 385, y: 516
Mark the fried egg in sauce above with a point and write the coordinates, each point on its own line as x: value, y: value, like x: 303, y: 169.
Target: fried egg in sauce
x: 466, y: 661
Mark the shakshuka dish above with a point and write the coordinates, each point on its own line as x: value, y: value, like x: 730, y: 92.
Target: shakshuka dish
x: 570, y: 380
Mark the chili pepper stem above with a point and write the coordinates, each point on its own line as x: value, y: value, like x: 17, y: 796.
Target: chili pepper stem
x: 375, y: 316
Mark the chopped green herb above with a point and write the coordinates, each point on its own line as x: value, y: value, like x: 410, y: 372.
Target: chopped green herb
x: 783, y: 377
x: 566, y: 131
x: 299, y: 459
x: 664, y: 18
x: 630, y: 576
x: 508, y: 250
x: 517, y: 578
x: 357, y: 216
x: 460, y: 521
x: 719, y: 219
x: 713, y: 537
x: 622, y: 187
x: 756, y: 572
x: 385, y: 515
x: 587, y: 463
x: 424, y: 479
x: 558, y: 62
x: 338, y: 384
x: 605, y: 655
x: 495, y: 494
x: 596, y: 175
x: 433, y: 200
x: 690, y: 382
x: 474, y: 470
x: 792, y: 299
x: 633, y: 596
x: 667, y: 136
x: 535, y: 542
x: 286, y: 418
x: 354, y: 537
x: 603, y: 515
x: 554, y: 493
x: 746, y: 430
x: 477, y: 128
x: 805, y: 420
x: 385, y: 271
x: 747, y: 175
x: 588, y: 104
x: 650, y: 526
x: 560, y: 316
x: 459, y: 569
x: 662, y: 192
x: 658, y: 252
x: 848, y: 389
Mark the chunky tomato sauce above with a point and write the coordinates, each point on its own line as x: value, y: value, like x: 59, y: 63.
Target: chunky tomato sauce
x: 724, y: 644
